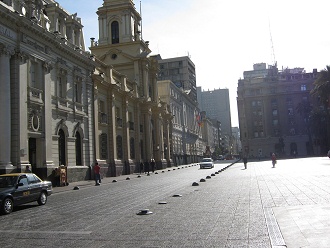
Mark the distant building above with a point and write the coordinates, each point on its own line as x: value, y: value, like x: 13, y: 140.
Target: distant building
x: 187, y: 145
x: 217, y: 106
x: 268, y: 103
x: 236, y: 141
x: 181, y: 71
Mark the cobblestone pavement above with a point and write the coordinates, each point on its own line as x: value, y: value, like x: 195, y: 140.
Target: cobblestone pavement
x: 286, y: 206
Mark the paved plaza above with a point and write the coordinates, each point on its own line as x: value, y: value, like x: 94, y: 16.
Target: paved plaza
x: 286, y: 206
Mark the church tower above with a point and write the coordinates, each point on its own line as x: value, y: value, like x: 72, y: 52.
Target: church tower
x: 132, y: 96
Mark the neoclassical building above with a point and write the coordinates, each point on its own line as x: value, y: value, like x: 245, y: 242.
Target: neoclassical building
x: 46, y: 90
x: 132, y: 125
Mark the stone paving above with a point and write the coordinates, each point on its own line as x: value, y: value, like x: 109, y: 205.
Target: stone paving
x: 288, y: 206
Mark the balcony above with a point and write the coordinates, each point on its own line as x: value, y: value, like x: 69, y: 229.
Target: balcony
x: 35, y: 95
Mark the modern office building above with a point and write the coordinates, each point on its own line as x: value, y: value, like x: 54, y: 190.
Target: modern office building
x: 181, y: 71
x: 46, y: 90
x: 270, y: 115
x: 217, y: 106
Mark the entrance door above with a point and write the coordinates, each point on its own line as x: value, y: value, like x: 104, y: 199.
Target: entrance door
x: 33, y: 152
x: 62, y: 147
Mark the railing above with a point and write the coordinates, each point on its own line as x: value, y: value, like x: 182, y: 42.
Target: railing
x: 35, y: 94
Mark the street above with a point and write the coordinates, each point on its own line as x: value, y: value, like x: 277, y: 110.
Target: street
x: 286, y: 206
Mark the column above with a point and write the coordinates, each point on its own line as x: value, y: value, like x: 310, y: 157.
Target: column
x: 48, y: 140
x: 5, y: 122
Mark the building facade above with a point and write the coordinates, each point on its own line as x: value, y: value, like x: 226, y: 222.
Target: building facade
x: 187, y: 145
x: 269, y: 108
x: 181, y: 71
x: 132, y: 126
x: 46, y: 90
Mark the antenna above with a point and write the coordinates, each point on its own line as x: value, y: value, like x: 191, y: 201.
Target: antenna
x: 271, y: 43
x: 141, y: 19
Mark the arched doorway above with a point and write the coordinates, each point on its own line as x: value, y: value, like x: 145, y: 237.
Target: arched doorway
x: 78, y: 149
x: 61, y: 147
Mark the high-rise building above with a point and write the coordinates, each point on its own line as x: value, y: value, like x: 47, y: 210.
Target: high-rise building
x: 181, y: 71
x: 271, y: 111
x: 217, y: 106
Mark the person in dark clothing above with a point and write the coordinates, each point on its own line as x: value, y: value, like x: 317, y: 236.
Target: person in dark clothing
x: 141, y: 167
x: 153, y: 165
x: 146, y: 167
x: 245, y: 161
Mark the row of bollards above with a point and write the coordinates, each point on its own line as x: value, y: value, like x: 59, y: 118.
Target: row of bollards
x: 212, y: 175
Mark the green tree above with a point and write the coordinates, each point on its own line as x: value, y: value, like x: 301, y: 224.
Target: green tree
x: 321, y: 92
x: 304, y: 108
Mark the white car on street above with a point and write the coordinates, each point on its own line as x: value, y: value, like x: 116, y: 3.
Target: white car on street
x: 206, y: 163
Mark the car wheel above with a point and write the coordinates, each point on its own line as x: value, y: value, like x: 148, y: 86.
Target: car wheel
x: 7, y: 206
x: 42, y: 198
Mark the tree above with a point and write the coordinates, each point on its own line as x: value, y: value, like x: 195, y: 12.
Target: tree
x: 321, y: 91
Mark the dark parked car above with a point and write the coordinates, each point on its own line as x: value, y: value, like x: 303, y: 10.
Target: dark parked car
x: 20, y: 188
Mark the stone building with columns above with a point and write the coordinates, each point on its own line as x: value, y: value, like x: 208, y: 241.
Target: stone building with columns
x: 46, y: 90
x: 132, y: 125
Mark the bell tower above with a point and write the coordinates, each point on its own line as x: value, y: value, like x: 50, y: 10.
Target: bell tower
x: 119, y: 22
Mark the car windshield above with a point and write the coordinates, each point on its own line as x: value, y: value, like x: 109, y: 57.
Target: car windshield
x: 8, y: 181
x: 206, y: 160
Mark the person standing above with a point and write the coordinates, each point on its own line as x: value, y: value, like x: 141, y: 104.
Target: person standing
x: 97, y: 175
x: 141, y: 167
x: 153, y: 165
x: 146, y: 167
x: 27, y: 169
x: 273, y: 160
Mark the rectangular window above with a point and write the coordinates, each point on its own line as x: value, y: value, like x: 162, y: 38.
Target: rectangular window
x: 275, y: 112
x: 303, y: 87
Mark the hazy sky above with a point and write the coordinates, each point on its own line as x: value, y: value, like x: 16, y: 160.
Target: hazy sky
x: 225, y: 38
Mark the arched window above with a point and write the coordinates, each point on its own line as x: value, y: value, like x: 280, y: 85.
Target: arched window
x: 61, y: 147
x: 132, y: 148
x: 104, y: 146
x: 114, y: 32
x: 119, y: 147
x: 78, y: 149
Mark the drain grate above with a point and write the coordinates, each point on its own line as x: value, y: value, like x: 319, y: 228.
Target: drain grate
x: 274, y: 231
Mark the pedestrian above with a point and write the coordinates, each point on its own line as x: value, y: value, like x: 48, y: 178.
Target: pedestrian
x: 27, y: 169
x: 141, y: 167
x: 146, y: 167
x: 274, y: 160
x: 97, y: 175
x: 153, y: 165
x: 245, y: 161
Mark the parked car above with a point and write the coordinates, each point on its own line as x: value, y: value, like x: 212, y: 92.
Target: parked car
x: 206, y: 163
x: 20, y: 188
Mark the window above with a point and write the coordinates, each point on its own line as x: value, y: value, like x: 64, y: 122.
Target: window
x: 275, y: 112
x: 256, y: 135
x: 114, y: 32
x: 275, y: 122
x: 61, y: 79
x: 292, y: 131
x: 290, y: 111
x: 103, y: 146
x: 303, y: 87
x: 119, y: 140
x: 274, y: 103
x: 77, y: 89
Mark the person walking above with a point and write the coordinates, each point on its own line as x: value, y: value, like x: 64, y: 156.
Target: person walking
x: 245, y: 161
x: 97, y: 175
x: 273, y: 160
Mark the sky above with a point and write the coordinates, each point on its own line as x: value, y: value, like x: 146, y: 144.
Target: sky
x: 225, y: 38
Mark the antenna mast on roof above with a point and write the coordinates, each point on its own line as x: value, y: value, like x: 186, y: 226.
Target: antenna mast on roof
x: 141, y: 19
x: 272, y: 45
